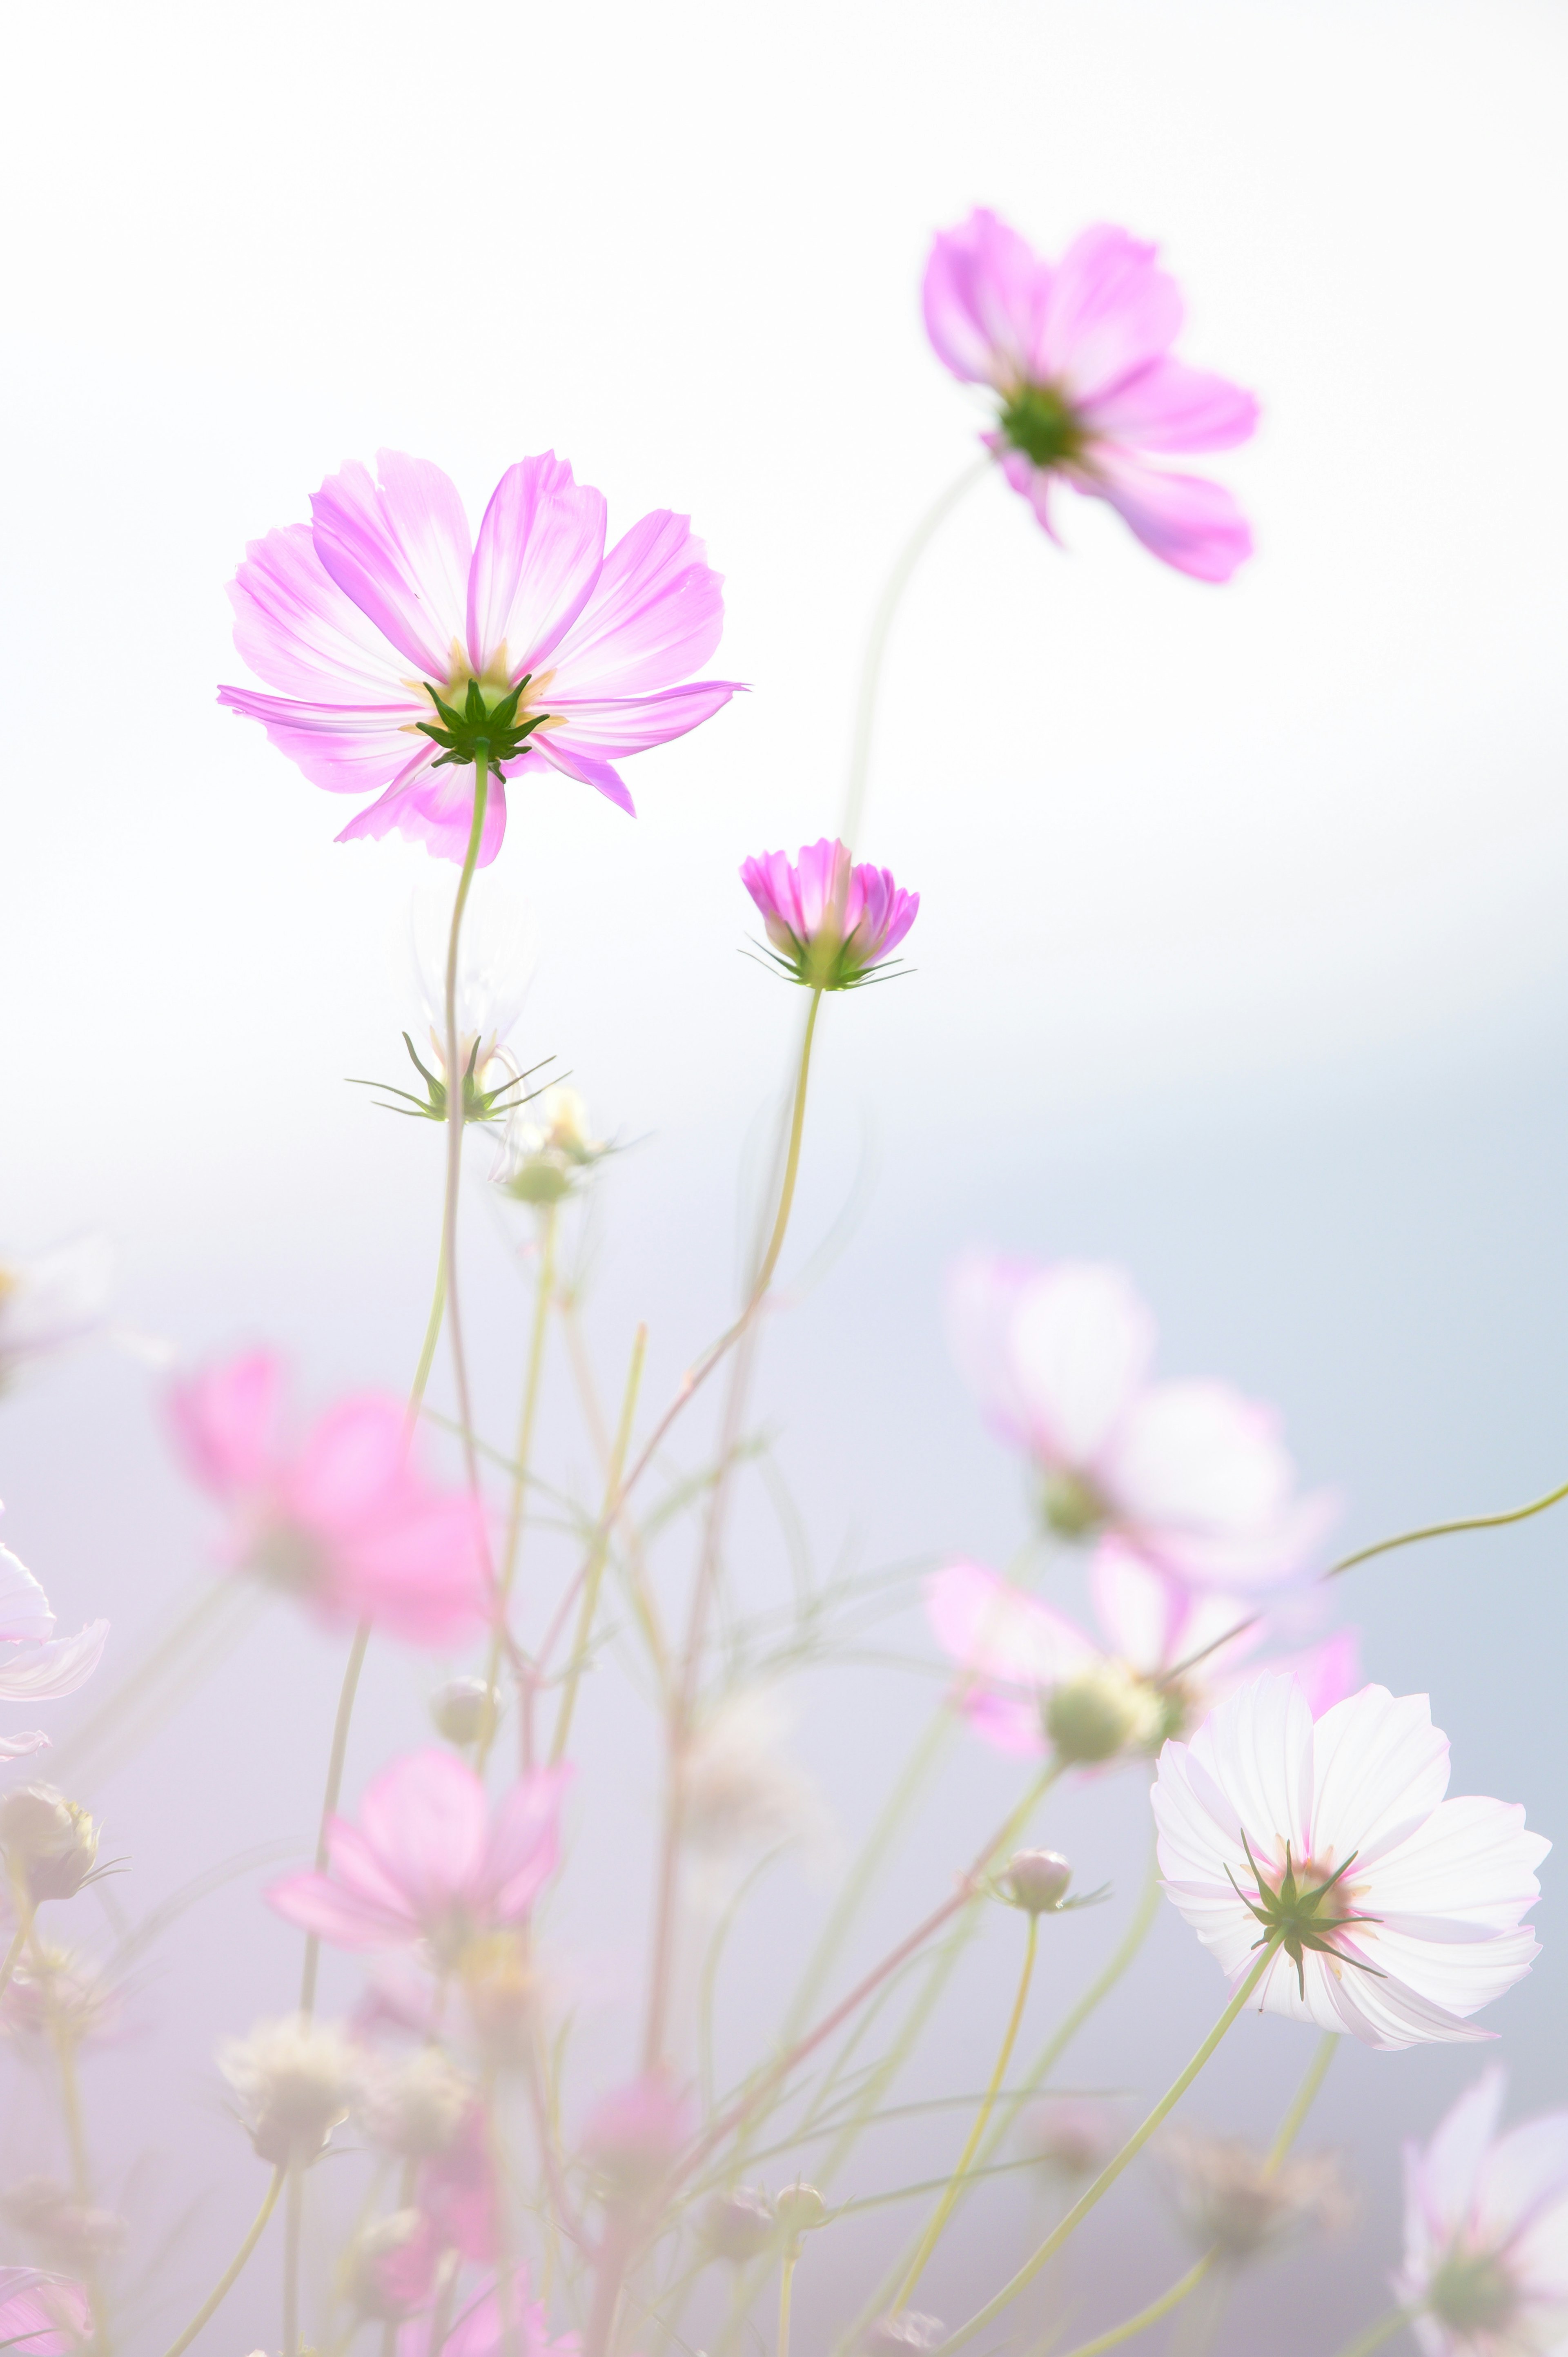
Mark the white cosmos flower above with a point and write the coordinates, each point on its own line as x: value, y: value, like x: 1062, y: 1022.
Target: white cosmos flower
x: 50, y: 1300
x: 34, y: 1665
x: 1486, y: 2235
x: 1403, y: 1911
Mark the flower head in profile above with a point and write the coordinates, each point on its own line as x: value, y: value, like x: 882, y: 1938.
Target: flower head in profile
x: 293, y: 2081
x: 42, y: 2315
x: 426, y: 1866
x: 344, y: 1520
x: 1079, y: 355
x: 1032, y: 1681
x: 1394, y: 1913
x: 1191, y: 1475
x: 1225, y: 2192
x: 830, y: 922
x: 34, y: 1665
x: 1486, y: 2234
x: 545, y: 1153
x: 50, y: 1300
x: 405, y: 650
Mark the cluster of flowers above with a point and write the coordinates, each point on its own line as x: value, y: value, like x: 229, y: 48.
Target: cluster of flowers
x: 1303, y: 1824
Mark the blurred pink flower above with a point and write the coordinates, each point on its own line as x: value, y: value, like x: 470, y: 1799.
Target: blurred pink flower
x: 1486, y: 2237
x: 1191, y: 1475
x: 457, y: 2192
x: 381, y: 604
x: 1401, y: 1912
x: 477, y: 2330
x: 344, y: 1520
x: 1079, y: 353
x: 36, y: 1665
x: 425, y: 1864
x: 1017, y: 1651
x: 830, y: 923
x: 41, y: 2315
x: 633, y: 2134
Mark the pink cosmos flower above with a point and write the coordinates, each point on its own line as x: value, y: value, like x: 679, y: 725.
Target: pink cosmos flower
x: 41, y: 2315
x: 1400, y: 1914
x: 830, y: 923
x: 1191, y: 1475
x: 1079, y: 355
x: 633, y: 2134
x: 1025, y: 1663
x: 477, y: 2330
x: 400, y: 645
x: 34, y: 1665
x: 344, y: 1519
x: 424, y: 1865
x: 1486, y: 2237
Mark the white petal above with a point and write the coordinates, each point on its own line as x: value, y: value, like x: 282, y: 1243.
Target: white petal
x: 1472, y: 1864
x: 1441, y: 2179
x: 1524, y: 2194
x: 24, y: 1607
x: 1257, y: 1745
x: 978, y: 1298
x: 42, y: 1672
x: 997, y: 1632
x: 53, y: 1298
x: 1079, y: 1345
x: 1380, y: 1769
x: 16, y: 1747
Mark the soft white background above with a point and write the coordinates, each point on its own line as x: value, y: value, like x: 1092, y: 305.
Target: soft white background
x: 1240, y: 956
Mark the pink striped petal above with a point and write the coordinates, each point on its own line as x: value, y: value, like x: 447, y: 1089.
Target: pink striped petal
x: 399, y: 547
x: 434, y: 807
x: 425, y: 1817
x: 556, y: 747
x: 1110, y: 310
x: 1191, y: 524
x: 314, y: 1902
x: 299, y: 631
x: 225, y: 1420
x: 346, y: 748
x: 984, y: 298
x: 38, y: 1673
x: 655, y: 616
x: 1169, y: 406
x: 606, y: 728
x: 538, y: 555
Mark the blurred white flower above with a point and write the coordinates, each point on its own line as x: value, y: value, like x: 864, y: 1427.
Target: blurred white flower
x: 1223, y: 2192
x: 1486, y: 2247
x: 50, y: 1300
x: 294, y: 2079
x: 547, y: 1149
x: 34, y: 1665
x: 741, y: 1791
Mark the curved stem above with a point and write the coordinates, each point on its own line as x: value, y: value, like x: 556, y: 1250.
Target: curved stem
x: 791, y: 1162
x: 518, y: 1506
x: 944, y: 2209
x: 1376, y: 2334
x: 329, y: 1799
x: 601, y: 1549
x: 1446, y: 1530
x: 232, y: 2274
x: 433, y: 1325
x: 1115, y: 2167
x: 786, y: 2285
x: 882, y: 621
x: 1132, y: 2325
x: 456, y: 1110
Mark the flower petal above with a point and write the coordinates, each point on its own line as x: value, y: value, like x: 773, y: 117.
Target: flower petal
x: 435, y: 807
x: 301, y: 633
x: 24, y: 1607
x: 1169, y: 406
x: 606, y: 728
x: 538, y: 555
x: 1191, y: 524
x: 1079, y: 1347
x: 524, y: 1843
x: 982, y: 1293
x: 225, y: 1420
x: 346, y: 748
x: 655, y: 616
x: 1110, y: 310
x: 1380, y: 1767
x: 556, y: 747
x: 40, y: 1673
x: 994, y: 1630
x: 984, y: 297
x: 424, y: 1818
x: 399, y: 548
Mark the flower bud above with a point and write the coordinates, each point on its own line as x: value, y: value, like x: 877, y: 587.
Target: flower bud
x: 51, y: 1845
x: 1037, y: 1880
x: 739, y: 2226
x: 1098, y: 1713
x: 799, y: 2208
x: 898, y: 2336
x: 390, y: 2267
x: 413, y: 2107
x: 458, y: 1709
x: 294, y: 2079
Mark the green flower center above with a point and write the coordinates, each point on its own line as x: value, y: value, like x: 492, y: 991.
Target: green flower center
x: 1299, y: 1913
x: 1471, y: 2293
x: 1037, y: 421
x: 487, y: 724
x: 1072, y: 1507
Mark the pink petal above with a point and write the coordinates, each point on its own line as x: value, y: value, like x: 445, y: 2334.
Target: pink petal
x: 1169, y: 406
x: 655, y: 616
x: 1004, y: 1721
x: 1079, y: 1345
x: 606, y: 728
x: 24, y: 1607
x: 314, y: 1902
x: 582, y: 766
x: 1142, y: 1612
x: 524, y: 1843
x: 538, y: 555
x: 1189, y: 523
x: 40, y: 1673
x: 1110, y: 311
x: 425, y: 1817
x: 434, y: 807
x: 994, y: 1630
x: 982, y: 1294
x: 225, y: 1420
x: 421, y: 1573
x: 41, y: 2315
x: 344, y: 748
x: 399, y: 548
x: 1445, y: 2179
x: 1200, y: 1477
x: 300, y: 633
x: 983, y: 298
x: 1329, y: 1672
x: 352, y: 1465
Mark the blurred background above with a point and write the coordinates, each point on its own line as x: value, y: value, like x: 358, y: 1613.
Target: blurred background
x: 1240, y: 956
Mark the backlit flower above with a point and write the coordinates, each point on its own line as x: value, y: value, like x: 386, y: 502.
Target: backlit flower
x: 547, y: 1149
x: 1224, y: 2192
x: 1486, y: 2234
x: 1191, y: 1475
x: 425, y: 1864
x: 1397, y: 1914
x: 293, y: 2081
x: 830, y: 922
x: 344, y: 1519
x: 1033, y: 1680
x: 34, y: 1665
x: 50, y: 1300
x: 1079, y: 355
x: 402, y: 649
x: 48, y: 1844
x: 633, y: 2136
x: 41, y: 2315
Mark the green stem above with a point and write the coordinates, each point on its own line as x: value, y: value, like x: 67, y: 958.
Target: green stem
x: 1108, y: 2176
x: 1446, y: 1530
x: 232, y: 2274
x: 1303, y: 2101
x: 329, y: 1799
x: 1376, y: 2334
x: 294, y: 2210
x: 877, y: 642
x: 1132, y: 2325
x: 13, y: 1953
x: 792, y: 1161
x: 457, y: 1111
x: 433, y: 1325
x: 600, y: 1550
x: 786, y: 2287
x: 519, y: 1507
x: 944, y: 2209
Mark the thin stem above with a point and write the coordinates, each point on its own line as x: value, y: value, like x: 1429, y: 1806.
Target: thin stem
x: 456, y: 1110
x: 1132, y: 2325
x: 877, y: 642
x: 518, y: 1506
x: 601, y: 1549
x: 792, y: 1161
x: 786, y: 2287
x: 329, y: 1799
x: 1446, y: 1530
x: 1108, y: 2176
x: 1376, y: 2334
x: 433, y: 1325
x: 232, y: 2272
x: 13, y: 1953
x: 1302, y: 2101
x: 944, y: 2209
x: 294, y: 2212
x: 81, y: 2172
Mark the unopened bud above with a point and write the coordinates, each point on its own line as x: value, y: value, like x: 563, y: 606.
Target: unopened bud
x: 898, y: 2336
x: 1223, y: 2192
x: 294, y: 2079
x: 799, y: 2208
x: 1097, y: 1715
x: 51, y: 1845
x: 1037, y: 1880
x: 739, y: 2226
x: 460, y: 1707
